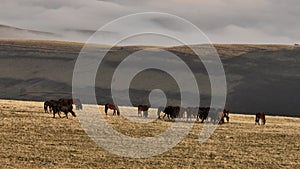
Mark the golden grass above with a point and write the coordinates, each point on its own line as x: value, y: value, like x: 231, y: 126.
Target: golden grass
x: 31, y: 138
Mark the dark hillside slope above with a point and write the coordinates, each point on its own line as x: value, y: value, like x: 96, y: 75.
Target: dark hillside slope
x: 259, y: 77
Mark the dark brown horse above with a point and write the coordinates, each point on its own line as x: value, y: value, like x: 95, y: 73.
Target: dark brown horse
x: 66, y: 108
x: 260, y: 116
x: 46, y: 105
x: 71, y: 102
x: 144, y: 109
x: 203, y: 113
x: 55, y: 107
x: 224, y: 115
x: 112, y: 107
x: 171, y: 112
x: 60, y: 106
x: 49, y: 105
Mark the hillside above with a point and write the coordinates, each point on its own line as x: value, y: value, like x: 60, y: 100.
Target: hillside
x: 259, y: 77
x: 30, y: 138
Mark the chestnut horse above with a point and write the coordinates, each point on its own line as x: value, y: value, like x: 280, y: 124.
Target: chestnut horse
x: 218, y: 116
x: 262, y: 116
x: 144, y: 109
x: 112, y: 107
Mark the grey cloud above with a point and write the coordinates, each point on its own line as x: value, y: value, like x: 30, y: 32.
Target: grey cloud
x: 231, y: 21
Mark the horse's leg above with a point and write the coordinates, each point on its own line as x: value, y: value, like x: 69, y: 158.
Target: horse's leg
x: 46, y: 109
x: 66, y: 113
x: 73, y: 113
x: 114, y: 113
x: 158, y: 113
x: 139, y: 113
x: 164, y: 116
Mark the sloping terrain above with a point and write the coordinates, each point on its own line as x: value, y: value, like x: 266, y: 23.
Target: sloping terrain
x: 259, y: 77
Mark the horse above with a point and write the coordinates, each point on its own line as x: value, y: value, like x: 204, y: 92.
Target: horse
x: 218, y: 116
x: 66, y: 108
x: 61, y: 106
x: 64, y: 100
x: 78, y: 104
x: 171, y: 111
x: 49, y: 104
x: 55, y: 107
x: 203, y: 113
x: 112, y: 107
x: 262, y: 116
x: 46, y: 105
x: 191, y: 111
x: 71, y: 102
x: 223, y: 115
x: 181, y: 112
x: 144, y: 109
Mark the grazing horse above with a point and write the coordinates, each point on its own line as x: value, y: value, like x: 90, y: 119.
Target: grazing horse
x: 223, y: 115
x: 55, y: 107
x: 144, y: 109
x: 46, y: 105
x: 64, y: 100
x: 77, y: 102
x: 49, y: 104
x: 181, y: 112
x: 261, y: 116
x: 203, y: 113
x: 218, y: 116
x: 171, y: 111
x: 112, y: 107
x: 66, y: 108
x: 60, y: 106
x: 191, y: 111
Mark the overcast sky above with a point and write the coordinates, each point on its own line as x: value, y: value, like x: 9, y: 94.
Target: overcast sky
x: 223, y: 21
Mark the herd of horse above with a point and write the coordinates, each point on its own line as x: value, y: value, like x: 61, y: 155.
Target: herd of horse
x: 62, y: 105
x: 204, y: 114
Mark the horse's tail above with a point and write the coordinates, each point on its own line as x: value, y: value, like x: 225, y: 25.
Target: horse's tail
x: 264, y: 118
x: 106, y: 108
x: 118, y: 110
x: 45, y: 107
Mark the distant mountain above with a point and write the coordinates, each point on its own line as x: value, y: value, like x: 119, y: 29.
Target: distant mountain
x: 259, y: 77
x: 14, y: 32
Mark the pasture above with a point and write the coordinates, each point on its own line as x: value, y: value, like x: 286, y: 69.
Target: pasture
x: 31, y: 138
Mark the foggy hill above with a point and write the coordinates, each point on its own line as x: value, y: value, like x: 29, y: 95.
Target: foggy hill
x: 259, y: 77
x: 15, y: 32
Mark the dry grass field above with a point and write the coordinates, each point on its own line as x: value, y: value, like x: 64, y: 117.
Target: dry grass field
x: 31, y: 138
